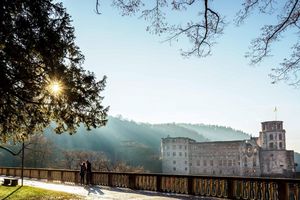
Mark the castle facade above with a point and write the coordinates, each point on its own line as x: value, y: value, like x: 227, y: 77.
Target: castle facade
x: 265, y: 155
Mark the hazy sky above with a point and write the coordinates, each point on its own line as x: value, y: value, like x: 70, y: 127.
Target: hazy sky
x: 149, y: 81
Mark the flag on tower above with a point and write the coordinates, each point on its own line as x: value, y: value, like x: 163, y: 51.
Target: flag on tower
x: 275, y: 111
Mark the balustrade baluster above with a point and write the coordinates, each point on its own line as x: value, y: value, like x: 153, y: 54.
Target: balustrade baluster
x: 231, y: 187
x: 159, y: 183
x: 132, y: 181
x: 190, y: 182
x: 110, y: 179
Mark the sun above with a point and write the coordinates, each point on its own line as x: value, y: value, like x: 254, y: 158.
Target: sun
x: 55, y: 87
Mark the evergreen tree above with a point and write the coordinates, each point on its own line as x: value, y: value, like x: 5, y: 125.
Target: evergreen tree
x: 41, y: 76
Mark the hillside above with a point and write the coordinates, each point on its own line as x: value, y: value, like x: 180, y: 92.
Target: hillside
x: 137, y: 143
x: 216, y: 133
x: 119, y: 132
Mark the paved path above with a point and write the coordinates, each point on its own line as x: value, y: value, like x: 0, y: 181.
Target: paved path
x: 109, y: 193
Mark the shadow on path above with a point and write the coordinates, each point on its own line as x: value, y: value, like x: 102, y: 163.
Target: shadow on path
x: 12, y: 193
x: 96, y: 190
x: 157, y: 194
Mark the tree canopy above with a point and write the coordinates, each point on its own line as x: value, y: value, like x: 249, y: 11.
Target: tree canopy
x: 202, y: 30
x: 42, y: 81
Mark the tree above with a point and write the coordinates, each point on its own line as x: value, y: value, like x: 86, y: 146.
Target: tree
x: 41, y: 76
x: 73, y: 158
x: 40, y: 152
x: 203, y: 29
x: 123, y: 167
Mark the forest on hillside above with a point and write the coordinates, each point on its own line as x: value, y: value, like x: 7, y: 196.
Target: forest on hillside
x: 120, y: 145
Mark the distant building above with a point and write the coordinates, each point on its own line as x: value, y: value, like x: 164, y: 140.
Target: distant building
x: 265, y: 155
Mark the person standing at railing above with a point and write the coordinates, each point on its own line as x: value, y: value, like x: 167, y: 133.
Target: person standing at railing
x: 82, y: 172
x: 88, y: 172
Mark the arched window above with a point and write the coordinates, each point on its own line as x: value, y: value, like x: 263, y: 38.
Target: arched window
x: 271, y: 136
x: 271, y: 145
x: 280, y: 136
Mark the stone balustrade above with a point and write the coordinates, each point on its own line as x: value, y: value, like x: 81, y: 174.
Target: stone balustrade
x: 213, y: 186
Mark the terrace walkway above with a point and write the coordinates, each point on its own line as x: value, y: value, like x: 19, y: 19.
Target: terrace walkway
x: 103, y: 192
x: 117, y: 185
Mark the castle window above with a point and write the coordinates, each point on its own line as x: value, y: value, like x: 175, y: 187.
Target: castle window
x: 180, y: 146
x: 174, y: 168
x: 185, y: 169
x: 174, y: 153
x: 278, y: 126
x: 180, y: 153
x: 245, y: 162
x: 280, y: 136
x: 211, y: 163
x: 185, y: 162
x: 185, y: 154
x: 174, y: 162
x: 204, y: 162
x: 271, y: 145
x: 198, y: 162
x: 271, y: 136
x: 280, y: 145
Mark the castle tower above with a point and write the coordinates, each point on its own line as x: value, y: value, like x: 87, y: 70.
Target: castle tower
x: 272, y: 135
x: 175, y: 155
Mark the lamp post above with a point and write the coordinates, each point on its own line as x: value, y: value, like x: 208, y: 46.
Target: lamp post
x: 55, y: 88
x: 22, y: 171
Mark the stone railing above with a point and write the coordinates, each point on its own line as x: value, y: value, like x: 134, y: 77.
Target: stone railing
x: 223, y: 187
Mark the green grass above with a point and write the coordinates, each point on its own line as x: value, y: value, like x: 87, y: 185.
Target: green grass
x: 32, y: 193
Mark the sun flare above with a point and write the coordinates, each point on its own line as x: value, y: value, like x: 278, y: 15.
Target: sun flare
x: 55, y: 88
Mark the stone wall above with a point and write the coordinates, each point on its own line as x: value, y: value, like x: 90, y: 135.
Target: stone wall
x: 278, y: 163
x: 175, y: 155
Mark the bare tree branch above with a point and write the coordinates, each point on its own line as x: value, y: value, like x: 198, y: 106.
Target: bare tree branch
x: 200, y: 34
x: 181, y: 5
x: 201, y: 31
x: 98, y: 7
x: 127, y: 7
x: 271, y: 33
x: 290, y: 68
x: 11, y: 151
x: 288, y: 19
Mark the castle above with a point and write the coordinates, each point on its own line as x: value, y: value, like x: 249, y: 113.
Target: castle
x: 265, y: 155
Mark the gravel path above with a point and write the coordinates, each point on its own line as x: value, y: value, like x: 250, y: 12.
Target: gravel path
x: 102, y: 192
